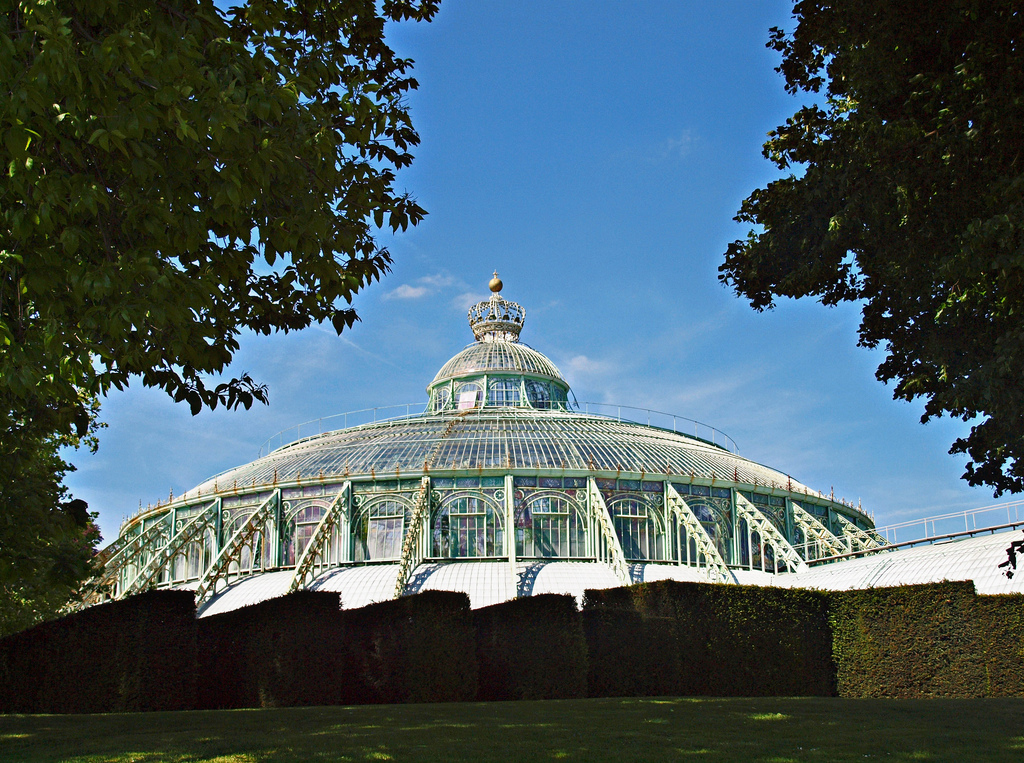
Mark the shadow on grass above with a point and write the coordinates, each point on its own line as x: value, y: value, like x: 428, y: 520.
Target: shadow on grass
x: 774, y: 730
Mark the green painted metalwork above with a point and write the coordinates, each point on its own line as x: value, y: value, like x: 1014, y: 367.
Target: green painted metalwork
x: 131, y: 552
x: 232, y: 550
x: 608, y: 548
x: 321, y: 537
x: 815, y: 532
x: 715, y: 568
x: 162, y: 559
x: 413, y: 543
x: 769, y: 533
x: 857, y: 539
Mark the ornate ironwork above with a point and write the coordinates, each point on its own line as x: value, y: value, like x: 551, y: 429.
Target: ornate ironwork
x: 130, y: 552
x: 232, y: 551
x: 610, y: 550
x: 769, y: 534
x: 858, y: 539
x: 412, y: 543
x: 163, y: 558
x: 496, y: 319
x: 815, y: 531
x: 716, y: 570
x: 321, y: 537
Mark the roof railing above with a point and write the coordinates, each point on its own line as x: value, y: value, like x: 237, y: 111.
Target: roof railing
x: 969, y: 520
x: 397, y: 413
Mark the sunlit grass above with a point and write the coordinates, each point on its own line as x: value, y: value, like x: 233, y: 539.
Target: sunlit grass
x: 662, y: 729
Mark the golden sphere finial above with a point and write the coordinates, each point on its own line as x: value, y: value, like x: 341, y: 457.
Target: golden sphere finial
x: 495, y: 284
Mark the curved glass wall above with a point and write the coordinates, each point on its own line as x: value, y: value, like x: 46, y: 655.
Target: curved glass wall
x: 378, y: 530
x: 640, y: 528
x: 550, y: 526
x: 467, y: 527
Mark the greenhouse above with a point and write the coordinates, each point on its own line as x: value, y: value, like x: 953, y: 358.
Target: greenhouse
x: 501, y: 485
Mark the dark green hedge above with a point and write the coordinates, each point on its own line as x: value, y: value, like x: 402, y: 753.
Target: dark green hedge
x: 125, y: 656
x: 281, y: 652
x: 936, y: 640
x: 531, y: 648
x: 631, y: 654
x: 699, y: 639
x: 418, y: 648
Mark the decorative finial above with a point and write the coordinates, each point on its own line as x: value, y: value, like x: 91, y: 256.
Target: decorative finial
x: 496, y: 319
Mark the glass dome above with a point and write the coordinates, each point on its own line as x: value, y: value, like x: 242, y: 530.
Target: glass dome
x: 497, y: 370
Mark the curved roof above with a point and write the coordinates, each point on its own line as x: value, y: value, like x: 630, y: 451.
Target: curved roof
x: 498, y: 357
x: 501, y: 439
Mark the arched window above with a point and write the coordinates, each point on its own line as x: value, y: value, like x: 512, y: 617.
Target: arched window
x: 550, y: 526
x: 298, y: 531
x: 712, y: 524
x: 443, y: 399
x: 639, y: 528
x: 503, y: 392
x: 467, y: 527
x: 469, y: 395
x: 538, y: 393
x: 378, y: 531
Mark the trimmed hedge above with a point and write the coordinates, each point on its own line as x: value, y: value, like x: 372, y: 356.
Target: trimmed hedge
x: 664, y: 638
x: 281, y: 652
x: 729, y: 640
x: 631, y: 654
x: 418, y: 648
x: 126, y: 656
x: 531, y: 648
x: 936, y: 640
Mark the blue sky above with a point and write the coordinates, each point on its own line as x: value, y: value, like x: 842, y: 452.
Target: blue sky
x: 594, y: 154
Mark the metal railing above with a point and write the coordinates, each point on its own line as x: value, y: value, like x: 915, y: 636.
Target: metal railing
x: 967, y: 521
x: 392, y: 413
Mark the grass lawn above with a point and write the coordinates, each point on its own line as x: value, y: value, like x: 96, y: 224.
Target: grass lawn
x: 649, y: 729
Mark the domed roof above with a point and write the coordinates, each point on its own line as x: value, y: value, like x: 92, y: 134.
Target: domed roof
x: 501, y: 439
x: 498, y: 357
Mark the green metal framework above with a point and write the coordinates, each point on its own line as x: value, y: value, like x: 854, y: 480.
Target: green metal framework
x: 414, y: 543
x: 770, y: 534
x: 232, y: 551
x: 715, y: 568
x: 816, y: 533
x: 857, y: 539
x: 133, y: 551
x: 163, y: 559
x: 473, y: 476
x: 316, y: 547
x: 608, y: 547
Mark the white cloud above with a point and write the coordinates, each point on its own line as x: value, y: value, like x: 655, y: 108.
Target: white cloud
x: 405, y: 291
x: 438, y: 281
x: 581, y: 364
x: 677, y: 147
x: 467, y: 299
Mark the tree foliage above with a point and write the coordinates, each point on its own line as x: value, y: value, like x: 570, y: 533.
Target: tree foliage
x: 907, y: 195
x: 175, y: 172
x: 47, y: 538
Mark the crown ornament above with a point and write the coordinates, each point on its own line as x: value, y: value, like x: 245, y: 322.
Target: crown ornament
x: 496, y: 319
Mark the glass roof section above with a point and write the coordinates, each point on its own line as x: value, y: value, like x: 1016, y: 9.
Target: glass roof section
x: 501, y: 439
x: 496, y: 324
x: 498, y: 357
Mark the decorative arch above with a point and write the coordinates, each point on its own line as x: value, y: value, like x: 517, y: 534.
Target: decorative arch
x: 468, y: 525
x: 379, y: 527
x: 550, y: 524
x: 640, y: 525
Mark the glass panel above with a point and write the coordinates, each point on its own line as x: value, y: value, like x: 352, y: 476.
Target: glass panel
x: 639, y: 528
x: 503, y: 392
x: 378, y: 532
x: 468, y: 527
x: 538, y: 393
